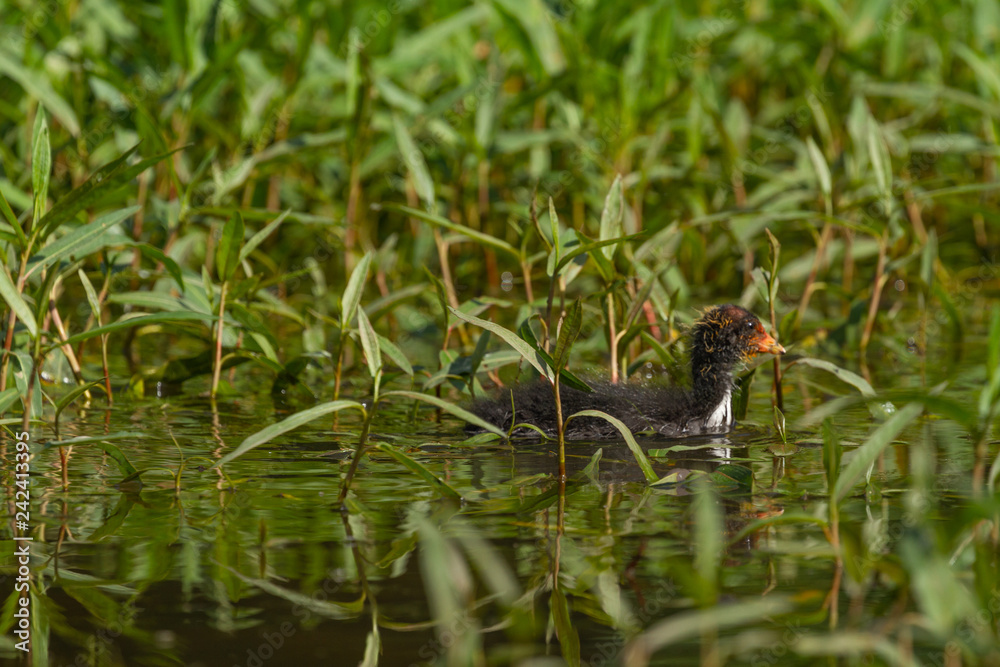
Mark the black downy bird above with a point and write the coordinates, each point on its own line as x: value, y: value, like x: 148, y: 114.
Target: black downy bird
x: 723, y: 337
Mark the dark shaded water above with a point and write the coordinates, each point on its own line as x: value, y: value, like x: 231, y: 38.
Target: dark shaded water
x: 262, y: 569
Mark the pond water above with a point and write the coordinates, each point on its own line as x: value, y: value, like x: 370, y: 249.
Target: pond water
x: 261, y: 568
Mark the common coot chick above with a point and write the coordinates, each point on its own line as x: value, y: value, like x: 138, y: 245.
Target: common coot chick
x: 724, y: 337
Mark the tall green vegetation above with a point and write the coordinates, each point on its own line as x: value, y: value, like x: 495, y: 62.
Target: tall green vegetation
x: 355, y: 202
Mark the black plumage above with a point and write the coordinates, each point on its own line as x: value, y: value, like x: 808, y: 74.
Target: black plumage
x: 722, y: 338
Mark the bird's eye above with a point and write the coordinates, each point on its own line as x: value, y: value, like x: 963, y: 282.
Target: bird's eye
x: 750, y: 323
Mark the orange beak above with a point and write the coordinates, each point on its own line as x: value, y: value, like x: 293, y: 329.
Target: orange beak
x: 769, y: 345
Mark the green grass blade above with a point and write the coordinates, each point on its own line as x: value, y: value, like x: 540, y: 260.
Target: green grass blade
x: 591, y: 246
x: 80, y: 242
x: 612, y: 216
x: 88, y: 287
x: 369, y: 343
x: 535, y: 20
x: 569, y: 638
x: 444, y: 223
x: 392, y: 351
x: 105, y: 180
x: 227, y: 254
x: 565, y: 377
x: 415, y: 164
x: 290, y: 424
x: 125, y: 467
x: 832, y: 453
x: 37, y: 85
x: 17, y: 303
x: 568, y: 333
x: 692, y: 624
x: 450, y: 408
x: 11, y: 219
x: 260, y: 236
x: 847, y: 376
x: 529, y: 353
x: 352, y: 293
x: 439, y: 485
x: 864, y: 456
x: 78, y: 391
x: 640, y: 456
x: 139, y: 320
x: 8, y: 397
x: 41, y: 164
x: 311, y: 602
x: 708, y: 537
x: 373, y: 646
x: 820, y: 166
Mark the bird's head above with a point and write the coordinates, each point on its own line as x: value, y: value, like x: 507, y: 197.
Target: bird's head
x: 726, y: 335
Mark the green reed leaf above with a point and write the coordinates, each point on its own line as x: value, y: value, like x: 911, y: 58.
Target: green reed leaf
x: 562, y: 619
x: 260, y: 236
x: 352, y: 293
x: 439, y: 485
x: 36, y: 83
x: 67, y: 399
x: 568, y: 333
x: 80, y: 242
x: 17, y: 303
x: 369, y: 343
x: 41, y: 163
x: 444, y: 223
x: 105, y: 180
x: 450, y: 408
x: 612, y: 216
x: 864, y: 456
x: 11, y: 219
x: 640, y: 456
x: 529, y: 353
x: 136, y: 321
x: 289, y: 424
x: 227, y: 254
x: 415, y: 164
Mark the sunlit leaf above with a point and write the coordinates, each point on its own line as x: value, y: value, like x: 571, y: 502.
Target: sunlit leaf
x: 528, y: 353
x: 611, y: 216
x: 41, y: 163
x: 80, y: 242
x: 369, y: 343
x: 352, y: 292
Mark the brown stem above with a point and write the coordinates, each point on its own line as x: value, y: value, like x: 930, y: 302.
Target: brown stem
x: 913, y: 212
x: 218, y: 340
x: 74, y: 363
x: 561, y: 429
x: 9, y: 340
x: 848, y: 270
x: 880, y: 280
x: 824, y: 239
x: 529, y: 292
x: 613, y: 337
